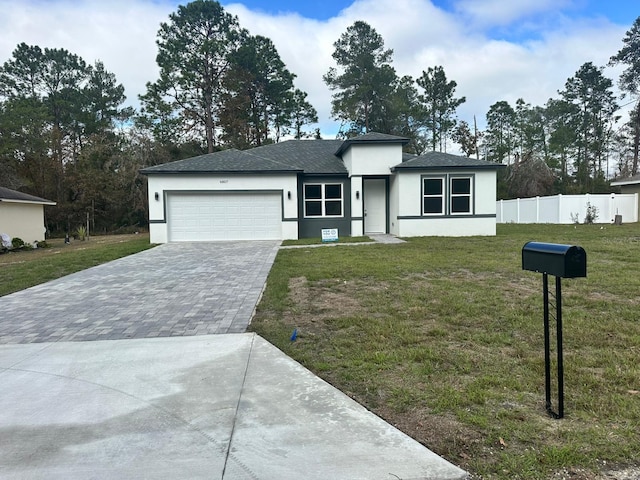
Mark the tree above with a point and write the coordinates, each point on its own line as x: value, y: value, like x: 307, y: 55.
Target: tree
x: 590, y: 92
x: 258, y: 94
x: 560, y: 118
x: 467, y: 139
x: 438, y: 105
x: 629, y: 55
x: 499, y: 137
x: 194, y: 53
x: 529, y: 176
x: 364, y: 80
x: 303, y: 114
x: 53, y: 107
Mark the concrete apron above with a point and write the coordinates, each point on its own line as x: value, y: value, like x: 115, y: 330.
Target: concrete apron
x: 215, y: 407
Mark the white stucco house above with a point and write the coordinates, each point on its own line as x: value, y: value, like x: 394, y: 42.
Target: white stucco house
x: 22, y: 215
x: 296, y: 188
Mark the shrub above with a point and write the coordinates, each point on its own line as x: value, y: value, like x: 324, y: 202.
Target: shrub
x: 81, y: 232
x: 591, y: 215
x: 17, y: 242
x: 42, y: 244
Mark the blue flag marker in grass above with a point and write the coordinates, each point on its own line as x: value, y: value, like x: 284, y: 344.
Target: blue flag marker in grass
x: 294, y: 335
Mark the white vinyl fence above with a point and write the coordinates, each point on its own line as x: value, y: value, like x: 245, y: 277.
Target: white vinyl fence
x: 565, y: 208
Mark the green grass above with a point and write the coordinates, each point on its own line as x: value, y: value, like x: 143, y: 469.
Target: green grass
x: 443, y: 337
x: 26, y: 268
x: 318, y: 240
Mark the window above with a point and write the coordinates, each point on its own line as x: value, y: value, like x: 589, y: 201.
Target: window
x: 460, y: 195
x: 447, y: 195
x: 323, y: 200
x: 433, y: 196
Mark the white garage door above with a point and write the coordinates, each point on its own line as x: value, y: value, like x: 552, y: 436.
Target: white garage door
x: 204, y: 217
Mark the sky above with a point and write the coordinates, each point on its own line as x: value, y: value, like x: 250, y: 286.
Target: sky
x: 494, y: 49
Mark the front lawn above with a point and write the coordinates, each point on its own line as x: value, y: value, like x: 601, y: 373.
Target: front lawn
x: 443, y: 338
x: 25, y: 268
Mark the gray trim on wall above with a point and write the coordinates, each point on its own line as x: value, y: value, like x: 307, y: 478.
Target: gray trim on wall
x: 427, y: 217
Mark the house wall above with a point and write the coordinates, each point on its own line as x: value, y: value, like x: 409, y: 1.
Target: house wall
x: 406, y: 207
x: 22, y: 220
x: 162, y: 184
x: 357, y: 208
x: 312, y: 227
x: 374, y: 159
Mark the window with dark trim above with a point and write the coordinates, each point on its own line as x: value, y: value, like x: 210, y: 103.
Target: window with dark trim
x: 460, y: 195
x: 433, y: 196
x: 323, y: 200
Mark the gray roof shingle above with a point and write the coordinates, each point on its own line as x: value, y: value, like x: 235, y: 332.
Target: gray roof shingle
x: 371, y: 138
x: 292, y: 156
x: 14, y: 195
x: 225, y: 161
x: 439, y: 160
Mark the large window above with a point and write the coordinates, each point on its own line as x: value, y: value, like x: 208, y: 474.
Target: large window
x: 447, y: 195
x: 323, y: 200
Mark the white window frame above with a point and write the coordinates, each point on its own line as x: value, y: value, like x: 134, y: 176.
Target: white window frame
x: 447, y: 195
x: 442, y: 196
x: 452, y: 195
x: 323, y: 200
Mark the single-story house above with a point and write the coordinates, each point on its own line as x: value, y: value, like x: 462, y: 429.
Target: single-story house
x: 22, y: 215
x: 629, y: 185
x: 296, y: 188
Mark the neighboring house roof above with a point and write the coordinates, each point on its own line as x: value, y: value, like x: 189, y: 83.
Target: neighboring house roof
x: 371, y: 138
x: 439, y: 160
x: 626, y: 181
x: 13, y: 196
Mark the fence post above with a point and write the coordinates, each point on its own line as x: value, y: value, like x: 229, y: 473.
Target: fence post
x: 517, y: 210
x: 559, y: 208
x: 537, y: 209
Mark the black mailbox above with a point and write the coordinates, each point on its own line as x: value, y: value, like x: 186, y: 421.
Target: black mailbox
x: 565, y: 261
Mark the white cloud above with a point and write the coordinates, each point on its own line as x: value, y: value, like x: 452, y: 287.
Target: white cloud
x: 122, y: 34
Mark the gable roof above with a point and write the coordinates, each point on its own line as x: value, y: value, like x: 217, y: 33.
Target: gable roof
x: 291, y: 156
x: 626, y: 181
x: 439, y: 160
x: 13, y: 196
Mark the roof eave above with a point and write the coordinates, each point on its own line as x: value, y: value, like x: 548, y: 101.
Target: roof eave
x: 33, y: 202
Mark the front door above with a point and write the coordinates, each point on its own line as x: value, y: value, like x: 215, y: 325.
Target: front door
x: 375, y: 205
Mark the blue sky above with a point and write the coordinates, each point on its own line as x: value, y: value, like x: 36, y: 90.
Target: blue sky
x: 494, y: 49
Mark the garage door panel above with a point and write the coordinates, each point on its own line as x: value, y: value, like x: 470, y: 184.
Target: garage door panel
x: 224, y: 216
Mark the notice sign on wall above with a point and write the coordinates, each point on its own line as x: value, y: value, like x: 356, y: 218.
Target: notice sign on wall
x: 329, y: 234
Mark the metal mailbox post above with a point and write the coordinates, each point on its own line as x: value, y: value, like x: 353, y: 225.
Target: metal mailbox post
x: 562, y: 261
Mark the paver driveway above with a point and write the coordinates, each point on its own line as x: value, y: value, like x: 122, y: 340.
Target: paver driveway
x: 174, y: 289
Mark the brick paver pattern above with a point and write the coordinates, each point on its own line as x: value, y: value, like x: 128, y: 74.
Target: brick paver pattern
x: 175, y: 289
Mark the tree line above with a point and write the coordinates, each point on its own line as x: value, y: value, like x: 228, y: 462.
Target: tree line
x: 567, y: 145
x: 65, y: 134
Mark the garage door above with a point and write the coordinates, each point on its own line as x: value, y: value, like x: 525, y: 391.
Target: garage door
x: 204, y: 217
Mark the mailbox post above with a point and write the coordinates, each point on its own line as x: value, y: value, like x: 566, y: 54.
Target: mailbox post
x: 562, y: 261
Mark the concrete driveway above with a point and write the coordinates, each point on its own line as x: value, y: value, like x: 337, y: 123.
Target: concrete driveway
x: 195, y: 405
x: 175, y: 289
